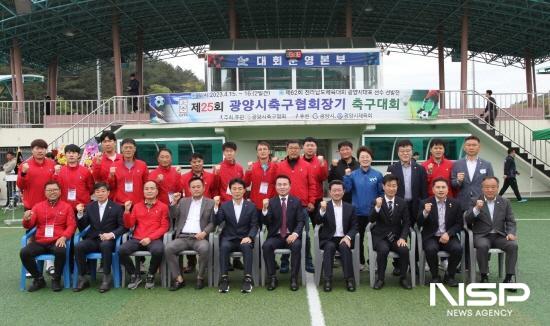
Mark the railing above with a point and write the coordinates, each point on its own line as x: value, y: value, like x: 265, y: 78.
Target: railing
x: 111, y: 112
x: 65, y: 113
x: 507, y: 124
x: 525, y: 106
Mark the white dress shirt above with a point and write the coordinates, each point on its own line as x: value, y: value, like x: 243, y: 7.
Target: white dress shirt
x: 192, y: 223
x: 238, y: 209
x: 102, y: 209
x: 471, y: 165
x: 338, y: 217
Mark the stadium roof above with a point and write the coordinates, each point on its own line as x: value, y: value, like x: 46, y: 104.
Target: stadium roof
x: 79, y: 31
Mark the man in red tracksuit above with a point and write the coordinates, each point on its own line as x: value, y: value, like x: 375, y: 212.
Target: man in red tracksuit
x: 224, y: 172
x: 55, y: 223
x: 304, y: 186
x: 438, y: 166
x: 166, y: 176
x: 149, y: 219
x: 77, y: 183
x: 34, y: 173
x: 260, y: 177
x: 227, y: 170
x: 103, y: 161
x: 126, y: 177
x: 197, y: 169
x: 318, y: 166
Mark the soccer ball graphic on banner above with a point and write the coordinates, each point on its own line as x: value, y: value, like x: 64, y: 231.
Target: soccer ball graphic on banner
x: 423, y: 115
x: 159, y: 101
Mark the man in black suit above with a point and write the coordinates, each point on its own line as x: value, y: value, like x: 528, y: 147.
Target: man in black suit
x: 412, y: 183
x: 441, y: 222
x: 391, y: 216
x: 241, y: 225
x: 284, y: 217
x: 105, y: 219
x: 339, y: 226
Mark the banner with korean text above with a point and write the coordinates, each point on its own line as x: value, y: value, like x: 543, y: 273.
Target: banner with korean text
x: 294, y: 105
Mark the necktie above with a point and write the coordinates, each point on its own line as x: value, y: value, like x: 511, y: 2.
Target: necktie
x: 390, y: 208
x: 283, y: 221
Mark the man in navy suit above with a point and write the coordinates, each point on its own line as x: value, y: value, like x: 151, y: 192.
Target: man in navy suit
x: 106, y: 223
x: 284, y: 217
x: 240, y: 228
x: 390, y: 232
x: 339, y: 227
x: 441, y: 222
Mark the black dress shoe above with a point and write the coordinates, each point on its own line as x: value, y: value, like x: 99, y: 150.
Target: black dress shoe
x: 56, y: 285
x: 327, y: 287
x: 484, y: 279
x: 273, y: 283
x: 200, y: 284
x: 510, y: 279
x: 435, y: 279
x: 452, y: 282
x: 175, y: 285
x: 378, y: 284
x: 294, y: 284
x: 82, y: 284
x: 350, y: 285
x: 405, y: 283
x: 105, y: 283
x: 396, y: 271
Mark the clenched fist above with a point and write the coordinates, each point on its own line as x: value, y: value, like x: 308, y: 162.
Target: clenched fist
x: 250, y: 165
x: 479, y: 204
x: 217, y: 169
x: 321, y: 159
x: 460, y: 176
x: 128, y: 205
x: 334, y: 163
x: 378, y: 202
x: 27, y: 215
x: 265, y: 203
x: 98, y: 157
x: 428, y: 208
x: 274, y: 159
x: 430, y: 168
x: 216, y: 201
x: 112, y: 170
x: 25, y: 167
x: 160, y: 177
x: 57, y: 169
x: 324, y: 205
x: 176, y: 196
x: 348, y: 171
x: 80, y: 208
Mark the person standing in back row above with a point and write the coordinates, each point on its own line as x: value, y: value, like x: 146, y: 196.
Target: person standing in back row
x: 510, y: 174
x: 491, y: 110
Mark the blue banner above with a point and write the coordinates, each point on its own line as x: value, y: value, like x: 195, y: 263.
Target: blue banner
x: 279, y: 60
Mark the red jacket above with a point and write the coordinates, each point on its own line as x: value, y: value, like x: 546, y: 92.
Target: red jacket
x: 439, y: 170
x: 170, y: 184
x: 320, y: 173
x: 138, y: 175
x: 100, y: 172
x: 227, y: 172
x: 78, y: 178
x: 60, y: 215
x: 210, y: 184
x: 255, y: 177
x: 149, y: 223
x: 32, y: 183
x: 302, y: 181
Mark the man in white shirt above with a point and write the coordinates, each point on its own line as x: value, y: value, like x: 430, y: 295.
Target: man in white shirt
x: 105, y: 219
x: 194, y: 221
x: 339, y: 226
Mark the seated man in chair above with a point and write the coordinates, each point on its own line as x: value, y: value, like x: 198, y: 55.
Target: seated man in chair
x: 55, y: 223
x: 194, y: 221
x: 150, y: 221
x: 339, y: 226
x: 241, y: 225
x: 441, y: 219
x: 494, y: 226
x: 284, y: 217
x: 106, y: 223
x: 390, y: 233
